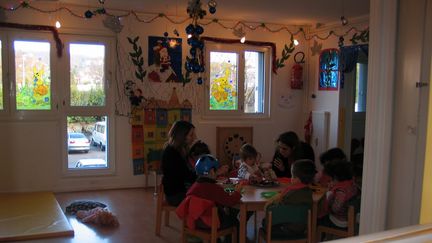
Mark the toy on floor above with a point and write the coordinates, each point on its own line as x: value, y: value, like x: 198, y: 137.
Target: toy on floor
x: 83, y: 205
x: 98, y: 216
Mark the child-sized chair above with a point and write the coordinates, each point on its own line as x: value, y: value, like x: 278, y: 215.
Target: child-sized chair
x: 349, y: 232
x: 193, y: 208
x: 162, y: 206
x: 286, y: 214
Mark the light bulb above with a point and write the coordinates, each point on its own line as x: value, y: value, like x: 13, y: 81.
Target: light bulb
x: 243, y: 39
x: 344, y: 20
x: 57, y: 24
x: 189, y: 36
x: 296, y: 42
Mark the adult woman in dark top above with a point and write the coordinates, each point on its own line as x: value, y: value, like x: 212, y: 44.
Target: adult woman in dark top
x: 289, y: 149
x: 177, y: 177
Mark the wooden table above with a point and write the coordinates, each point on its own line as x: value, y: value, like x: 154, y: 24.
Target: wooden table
x: 253, y: 201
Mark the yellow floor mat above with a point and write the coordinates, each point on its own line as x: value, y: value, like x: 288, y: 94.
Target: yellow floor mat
x: 31, y: 215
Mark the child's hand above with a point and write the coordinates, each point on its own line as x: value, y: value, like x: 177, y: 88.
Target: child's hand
x: 279, y: 164
x: 238, y: 187
x: 255, y: 179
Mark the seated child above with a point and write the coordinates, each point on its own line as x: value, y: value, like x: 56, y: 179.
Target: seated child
x: 298, y: 192
x: 342, y: 189
x: 267, y: 171
x: 236, y: 161
x: 198, y: 149
x: 248, y: 169
x: 205, y: 187
x: 332, y: 154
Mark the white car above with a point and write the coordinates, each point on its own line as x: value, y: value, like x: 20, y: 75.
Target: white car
x: 78, y: 142
x: 91, y: 163
x: 99, y: 135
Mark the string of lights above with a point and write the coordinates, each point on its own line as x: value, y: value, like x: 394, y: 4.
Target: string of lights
x: 252, y: 26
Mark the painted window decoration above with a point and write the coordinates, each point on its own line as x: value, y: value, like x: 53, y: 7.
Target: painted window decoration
x: 32, y: 75
x: 1, y: 79
x: 87, y: 72
x: 223, y: 81
x: 329, y: 69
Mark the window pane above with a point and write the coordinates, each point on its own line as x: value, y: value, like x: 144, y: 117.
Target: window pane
x: 223, y: 81
x: 361, y: 87
x: 32, y: 74
x: 254, y: 82
x: 1, y: 78
x: 87, y: 142
x: 87, y: 65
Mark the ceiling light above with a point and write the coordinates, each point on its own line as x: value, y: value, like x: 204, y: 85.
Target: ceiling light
x: 57, y: 24
x: 296, y: 42
x: 243, y: 39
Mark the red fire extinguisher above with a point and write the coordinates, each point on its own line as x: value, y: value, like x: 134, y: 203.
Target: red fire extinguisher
x: 297, y: 71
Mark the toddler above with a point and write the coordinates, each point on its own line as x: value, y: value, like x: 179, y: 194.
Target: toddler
x: 248, y: 169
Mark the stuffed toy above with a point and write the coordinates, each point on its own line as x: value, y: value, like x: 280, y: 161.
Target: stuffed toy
x: 98, y: 216
x: 83, y: 205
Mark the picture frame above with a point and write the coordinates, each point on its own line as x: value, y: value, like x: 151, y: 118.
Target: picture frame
x: 329, y: 71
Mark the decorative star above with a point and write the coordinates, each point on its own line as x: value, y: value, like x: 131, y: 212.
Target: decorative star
x: 316, y: 48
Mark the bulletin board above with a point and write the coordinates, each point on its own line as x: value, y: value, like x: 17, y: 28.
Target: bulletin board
x: 229, y: 141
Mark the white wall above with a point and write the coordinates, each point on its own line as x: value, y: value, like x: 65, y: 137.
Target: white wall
x: 31, y: 152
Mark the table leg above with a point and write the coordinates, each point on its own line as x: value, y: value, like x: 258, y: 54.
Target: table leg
x: 242, y: 231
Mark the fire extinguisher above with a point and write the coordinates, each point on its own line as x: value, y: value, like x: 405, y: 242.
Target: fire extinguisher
x: 297, y: 71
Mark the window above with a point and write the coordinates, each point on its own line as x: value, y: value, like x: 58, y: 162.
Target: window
x: 72, y: 89
x: 87, y: 109
x: 32, y: 75
x: 238, y: 81
x: 361, y: 87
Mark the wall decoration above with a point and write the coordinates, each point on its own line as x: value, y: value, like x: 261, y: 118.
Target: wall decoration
x: 362, y: 37
x: 150, y: 126
x: 286, y: 53
x: 137, y: 59
x: 329, y: 69
x: 165, y: 59
x: 316, y: 48
x: 229, y: 141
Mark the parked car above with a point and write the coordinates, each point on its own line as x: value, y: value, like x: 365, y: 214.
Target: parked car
x: 99, y: 135
x: 78, y: 142
x: 91, y: 163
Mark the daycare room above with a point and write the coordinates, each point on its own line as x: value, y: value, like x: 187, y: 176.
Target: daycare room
x: 94, y: 95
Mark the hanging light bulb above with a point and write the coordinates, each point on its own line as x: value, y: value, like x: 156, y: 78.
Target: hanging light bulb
x: 243, y: 39
x: 296, y: 42
x: 57, y: 24
x: 344, y: 20
x: 189, y: 36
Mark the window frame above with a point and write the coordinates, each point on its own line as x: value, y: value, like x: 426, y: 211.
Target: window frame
x: 106, y: 110
x: 9, y: 82
x: 240, y: 49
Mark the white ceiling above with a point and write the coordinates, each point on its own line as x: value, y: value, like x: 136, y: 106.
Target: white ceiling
x: 298, y: 12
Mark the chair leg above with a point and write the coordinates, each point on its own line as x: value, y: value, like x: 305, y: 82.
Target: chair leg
x: 234, y: 235
x: 167, y: 218
x: 158, y: 220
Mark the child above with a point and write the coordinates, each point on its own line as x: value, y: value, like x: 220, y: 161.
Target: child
x: 268, y: 173
x: 205, y: 187
x: 236, y: 161
x: 298, y: 192
x: 248, y: 169
x: 341, y: 190
x: 197, y: 149
x: 330, y: 155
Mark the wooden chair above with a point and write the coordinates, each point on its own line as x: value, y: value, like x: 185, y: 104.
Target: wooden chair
x: 349, y: 232
x: 279, y: 214
x: 162, y: 206
x: 209, y: 235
